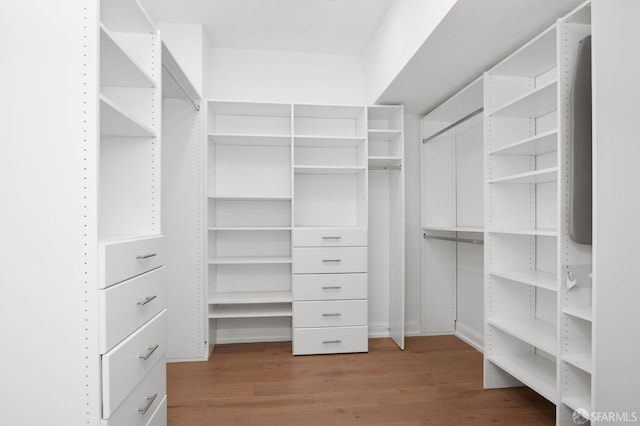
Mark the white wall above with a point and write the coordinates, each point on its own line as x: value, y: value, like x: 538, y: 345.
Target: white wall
x: 290, y: 77
x: 413, y: 230
x: 405, y: 27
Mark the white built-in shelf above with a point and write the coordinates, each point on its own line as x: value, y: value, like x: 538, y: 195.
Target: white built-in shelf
x: 535, y: 145
x: 531, y: 369
x: 250, y: 297
x: 535, y: 103
x: 578, y: 402
x: 117, y: 67
x: 383, y: 134
x: 327, y: 141
x: 251, y: 197
x: 582, y: 312
x: 266, y: 310
x: 126, y: 16
x: 328, y: 170
x: 538, y: 176
x: 532, y: 232
x: 380, y: 161
x: 542, y: 279
x: 581, y: 361
x: 453, y: 229
x: 115, y: 122
x: 250, y: 228
x: 534, y: 331
x: 249, y: 139
x: 532, y: 59
x: 250, y: 260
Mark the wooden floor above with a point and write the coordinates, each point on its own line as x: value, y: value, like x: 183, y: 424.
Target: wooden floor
x: 435, y: 381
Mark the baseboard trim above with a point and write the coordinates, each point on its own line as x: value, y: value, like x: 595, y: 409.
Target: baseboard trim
x: 412, y: 328
x: 470, y: 336
x: 378, y: 330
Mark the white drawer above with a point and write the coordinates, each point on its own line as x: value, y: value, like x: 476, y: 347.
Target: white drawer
x: 125, y: 365
x: 126, y: 306
x: 329, y: 260
x: 329, y: 286
x: 329, y: 237
x: 143, y: 401
x: 330, y: 340
x: 330, y: 313
x: 159, y: 417
x: 121, y: 260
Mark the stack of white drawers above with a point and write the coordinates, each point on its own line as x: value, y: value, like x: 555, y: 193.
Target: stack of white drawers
x: 329, y: 290
x: 133, y: 324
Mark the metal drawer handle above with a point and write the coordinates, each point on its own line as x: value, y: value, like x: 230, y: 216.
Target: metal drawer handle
x: 331, y: 260
x: 331, y: 238
x: 332, y: 287
x: 150, y: 352
x: 146, y: 300
x: 331, y: 341
x: 146, y: 256
x: 337, y: 314
x: 148, y: 405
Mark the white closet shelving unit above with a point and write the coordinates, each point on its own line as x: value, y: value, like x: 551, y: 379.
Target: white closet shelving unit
x: 534, y: 333
x: 249, y: 218
x: 385, y: 133
x: 452, y: 216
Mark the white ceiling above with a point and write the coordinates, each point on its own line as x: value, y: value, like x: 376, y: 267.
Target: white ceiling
x: 314, y: 26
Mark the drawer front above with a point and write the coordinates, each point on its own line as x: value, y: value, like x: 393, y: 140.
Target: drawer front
x: 330, y: 340
x: 140, y: 406
x: 329, y: 286
x: 329, y: 237
x: 159, y: 417
x: 125, y: 365
x: 330, y: 313
x: 329, y: 260
x: 122, y: 260
x: 126, y: 306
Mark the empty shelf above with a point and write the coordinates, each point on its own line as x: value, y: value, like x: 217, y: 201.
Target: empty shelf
x: 542, y: 279
x: 535, y: 145
x: 250, y: 228
x: 537, y: 176
x: 251, y: 197
x: 582, y: 312
x: 532, y: 59
x: 251, y: 297
x: 384, y: 132
x: 538, y: 102
x: 581, y: 361
x: 531, y: 232
x: 536, y: 332
x: 578, y: 402
x: 249, y: 139
x: 117, y: 67
x: 250, y: 260
x: 327, y: 141
x: 385, y: 161
x: 115, y: 122
x: 250, y: 310
x: 328, y: 170
x: 454, y: 229
x: 533, y: 370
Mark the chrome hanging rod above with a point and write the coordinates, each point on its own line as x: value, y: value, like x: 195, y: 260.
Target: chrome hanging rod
x: 454, y: 239
x: 385, y: 168
x: 451, y: 126
x: 195, y: 104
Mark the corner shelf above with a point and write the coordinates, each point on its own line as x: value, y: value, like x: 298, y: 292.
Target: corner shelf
x: 535, y: 145
x: 536, y: 278
x: 115, y: 122
x: 531, y: 369
x: 536, y: 332
x: 122, y: 70
x: 538, y: 176
x: 535, y: 103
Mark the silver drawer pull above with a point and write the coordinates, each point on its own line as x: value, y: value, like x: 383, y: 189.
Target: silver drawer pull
x: 331, y: 238
x: 146, y: 300
x: 148, y: 405
x: 150, y: 352
x: 331, y: 260
x: 326, y: 342
x: 146, y: 256
x: 331, y: 287
x: 337, y: 314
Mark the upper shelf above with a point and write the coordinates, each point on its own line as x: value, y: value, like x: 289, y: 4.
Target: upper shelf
x: 249, y: 139
x: 327, y: 141
x: 117, y: 67
x: 125, y: 15
x: 531, y: 60
x: 536, y: 176
x: 535, y: 145
x: 535, y: 103
x: 115, y: 122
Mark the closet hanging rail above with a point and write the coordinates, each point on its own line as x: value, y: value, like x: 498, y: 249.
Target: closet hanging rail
x: 451, y: 126
x: 454, y: 239
x: 195, y: 103
x: 385, y: 168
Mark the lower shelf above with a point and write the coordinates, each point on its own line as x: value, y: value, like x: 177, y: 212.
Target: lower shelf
x: 250, y: 297
x: 266, y: 310
x: 576, y: 403
x: 533, y: 370
x: 536, y: 332
x: 581, y: 361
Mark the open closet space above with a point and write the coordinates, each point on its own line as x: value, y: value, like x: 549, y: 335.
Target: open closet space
x: 319, y: 212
